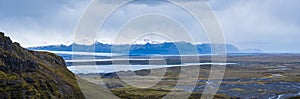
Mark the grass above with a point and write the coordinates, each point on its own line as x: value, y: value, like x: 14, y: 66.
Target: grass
x: 130, y: 92
x: 149, y: 93
x: 297, y: 97
x: 94, y: 91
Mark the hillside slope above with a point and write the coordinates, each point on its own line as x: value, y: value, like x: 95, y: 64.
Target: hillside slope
x: 30, y: 74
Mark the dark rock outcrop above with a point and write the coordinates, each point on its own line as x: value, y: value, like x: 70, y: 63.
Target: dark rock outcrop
x: 30, y: 74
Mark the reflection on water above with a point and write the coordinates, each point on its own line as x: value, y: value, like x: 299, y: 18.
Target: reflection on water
x: 85, y: 69
x: 75, y: 65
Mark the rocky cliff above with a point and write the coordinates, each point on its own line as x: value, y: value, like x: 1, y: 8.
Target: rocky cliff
x: 30, y: 74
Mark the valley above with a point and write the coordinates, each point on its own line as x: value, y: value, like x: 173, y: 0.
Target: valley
x: 273, y: 76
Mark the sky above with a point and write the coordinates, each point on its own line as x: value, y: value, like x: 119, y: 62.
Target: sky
x: 268, y: 25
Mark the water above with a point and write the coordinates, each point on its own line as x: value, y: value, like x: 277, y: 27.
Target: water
x: 86, y: 69
x: 82, y: 57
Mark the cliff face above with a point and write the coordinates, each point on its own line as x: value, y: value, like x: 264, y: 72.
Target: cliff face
x: 30, y: 74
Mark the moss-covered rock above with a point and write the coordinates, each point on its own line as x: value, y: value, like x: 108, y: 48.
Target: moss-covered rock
x: 30, y: 74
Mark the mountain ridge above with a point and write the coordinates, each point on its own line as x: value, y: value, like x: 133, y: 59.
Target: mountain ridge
x: 166, y: 48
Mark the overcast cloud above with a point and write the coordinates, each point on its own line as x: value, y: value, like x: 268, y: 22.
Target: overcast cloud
x: 269, y: 25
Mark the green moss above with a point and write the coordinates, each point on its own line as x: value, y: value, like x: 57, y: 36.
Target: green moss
x: 1, y: 63
x: 237, y: 89
x: 2, y: 75
x: 12, y: 77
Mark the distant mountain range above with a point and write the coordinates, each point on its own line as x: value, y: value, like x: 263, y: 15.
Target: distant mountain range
x: 167, y: 48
